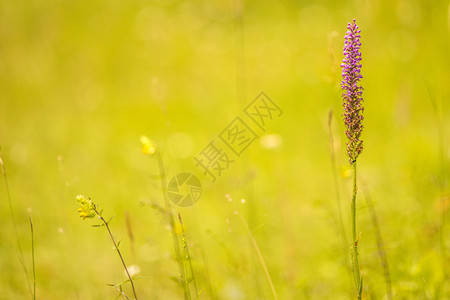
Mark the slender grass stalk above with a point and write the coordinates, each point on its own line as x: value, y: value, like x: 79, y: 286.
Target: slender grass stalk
x: 186, y: 276
x: 380, y: 243
x: 32, y: 258
x: 13, y: 218
x: 171, y: 220
x: 442, y: 179
x: 260, y: 256
x: 209, y: 285
x: 119, y: 289
x: 340, y: 221
x: 335, y: 180
x: 116, y: 247
x: 187, y: 257
x: 238, y: 14
x: 129, y: 231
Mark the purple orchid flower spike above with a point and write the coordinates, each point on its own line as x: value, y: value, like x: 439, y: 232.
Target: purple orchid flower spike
x: 353, y: 109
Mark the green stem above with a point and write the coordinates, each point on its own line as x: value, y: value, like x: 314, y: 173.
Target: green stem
x: 442, y: 179
x: 356, y: 270
x: 171, y: 220
x: 380, y: 243
x: 118, y: 251
x: 16, y: 233
x: 260, y: 256
x: 188, y: 258
x: 32, y: 259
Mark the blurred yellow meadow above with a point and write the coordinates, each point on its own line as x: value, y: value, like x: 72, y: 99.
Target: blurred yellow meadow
x: 210, y: 134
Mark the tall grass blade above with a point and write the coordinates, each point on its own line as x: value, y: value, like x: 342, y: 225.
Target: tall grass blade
x: 13, y: 218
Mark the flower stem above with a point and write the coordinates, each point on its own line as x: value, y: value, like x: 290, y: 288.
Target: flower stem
x: 13, y: 218
x: 261, y: 258
x: 356, y: 270
x: 171, y: 220
x: 188, y: 258
x: 118, y: 251
x: 380, y: 243
x: 32, y: 259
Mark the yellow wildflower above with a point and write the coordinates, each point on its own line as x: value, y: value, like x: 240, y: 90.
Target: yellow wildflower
x: 148, y: 147
x: 87, y: 209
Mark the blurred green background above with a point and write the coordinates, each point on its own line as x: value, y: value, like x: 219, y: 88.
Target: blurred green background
x: 81, y: 81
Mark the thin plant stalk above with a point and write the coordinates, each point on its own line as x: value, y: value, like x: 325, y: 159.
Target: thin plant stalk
x: 260, y: 256
x: 117, y: 249
x: 16, y: 233
x: 442, y: 178
x: 32, y: 258
x: 208, y: 275
x: 338, y: 196
x: 380, y: 243
x: 353, y: 117
x: 171, y: 220
x: 355, y: 256
x: 335, y: 180
x: 122, y: 293
x: 188, y: 258
x: 238, y: 14
x: 354, y: 236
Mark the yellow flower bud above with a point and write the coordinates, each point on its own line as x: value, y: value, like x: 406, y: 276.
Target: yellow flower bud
x: 148, y: 147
